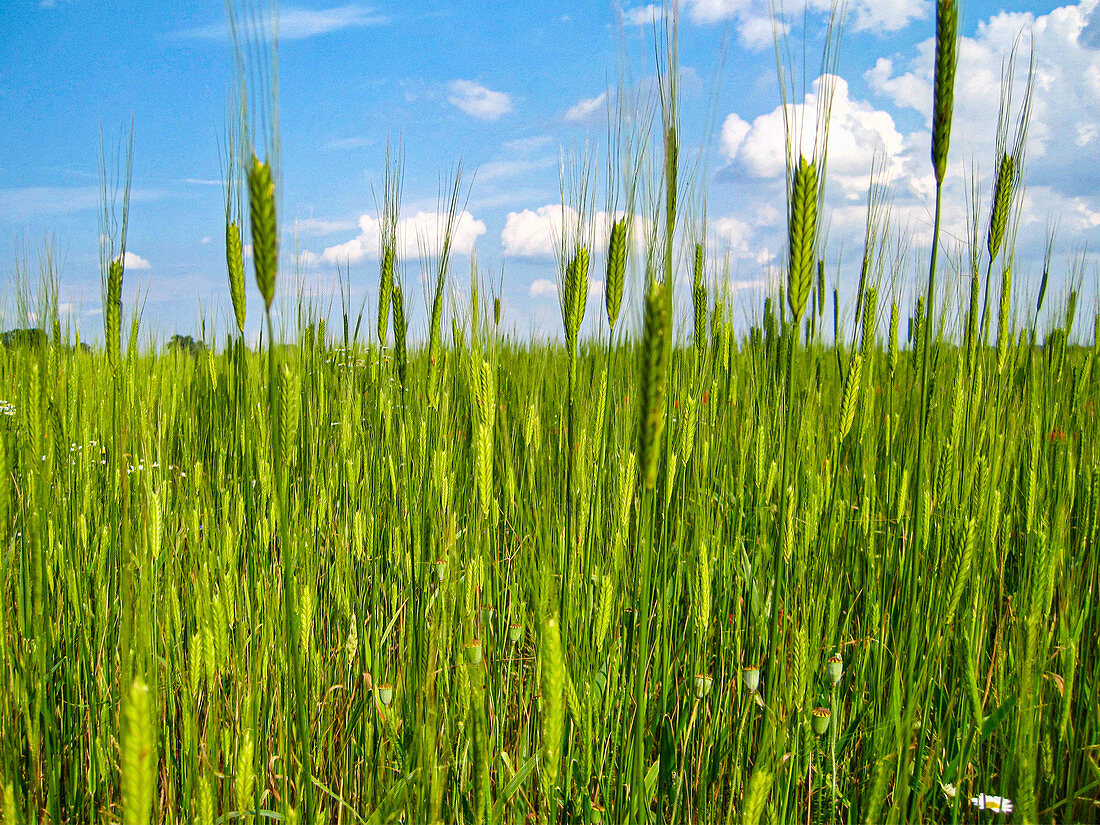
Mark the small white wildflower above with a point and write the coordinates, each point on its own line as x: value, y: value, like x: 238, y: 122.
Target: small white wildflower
x: 997, y: 804
x: 949, y: 790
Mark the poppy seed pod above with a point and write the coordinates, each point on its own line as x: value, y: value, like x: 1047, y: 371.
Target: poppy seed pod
x: 751, y: 677
x: 515, y: 633
x: 703, y: 684
x: 819, y: 720
x: 440, y: 569
x: 834, y: 668
x: 473, y: 652
x: 385, y: 694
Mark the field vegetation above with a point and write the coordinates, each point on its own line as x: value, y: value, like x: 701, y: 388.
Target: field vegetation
x: 829, y: 568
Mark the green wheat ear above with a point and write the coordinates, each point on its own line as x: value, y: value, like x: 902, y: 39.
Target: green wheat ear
x: 385, y: 292
x: 243, y: 788
x: 947, y: 43
x: 802, y: 236
x: 138, y: 757
x: 576, y: 294
x: 850, y: 394
x: 400, y: 330
x: 616, y: 271
x: 234, y: 261
x: 1002, y: 200
x: 756, y: 796
x: 699, y: 301
x: 656, y: 344
x: 113, y: 310
x: 265, y: 240
x: 553, y: 710
x: 10, y: 814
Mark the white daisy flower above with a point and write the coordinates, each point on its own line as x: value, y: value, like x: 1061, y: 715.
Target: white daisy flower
x: 997, y: 804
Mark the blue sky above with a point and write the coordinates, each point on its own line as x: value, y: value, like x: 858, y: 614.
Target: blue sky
x: 506, y: 89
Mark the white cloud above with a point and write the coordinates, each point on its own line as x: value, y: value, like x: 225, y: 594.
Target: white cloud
x: 537, y: 233
x: 296, y: 23
x: 733, y: 233
x: 734, y: 131
x: 529, y: 234
x: 759, y: 31
x: 888, y: 15
x: 307, y: 259
x: 312, y: 227
x: 345, y: 144
x: 513, y: 167
x: 585, y: 108
x: 417, y: 234
x: 754, y: 21
x: 543, y: 288
x: 857, y: 130
x: 477, y: 100
x: 134, y: 261
x: 643, y: 15
x: 1062, y: 138
x: 31, y: 201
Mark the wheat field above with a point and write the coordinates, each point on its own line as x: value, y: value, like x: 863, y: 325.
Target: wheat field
x: 679, y: 570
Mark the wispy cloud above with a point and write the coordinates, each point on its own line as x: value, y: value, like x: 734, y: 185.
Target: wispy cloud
x: 296, y: 23
x: 584, y: 109
x: 319, y: 226
x: 345, y: 144
x: 643, y: 15
x: 754, y: 19
x: 17, y: 205
x: 513, y: 168
x: 477, y: 100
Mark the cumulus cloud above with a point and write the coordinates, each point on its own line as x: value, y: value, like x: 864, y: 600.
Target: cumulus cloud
x: 477, y: 100
x: 733, y: 233
x: 543, y: 288
x: 418, y: 234
x: 532, y: 233
x: 537, y: 233
x: 1063, y: 141
x: 857, y: 131
x: 734, y: 132
x: 134, y: 261
x: 585, y: 108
